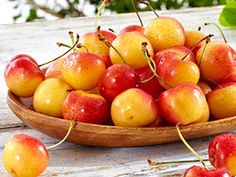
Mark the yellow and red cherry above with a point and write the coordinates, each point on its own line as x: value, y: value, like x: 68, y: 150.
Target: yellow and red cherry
x: 50, y: 95
x: 25, y: 156
x: 178, y: 51
x: 192, y: 37
x: 91, y: 42
x: 86, y: 107
x: 25, y: 57
x: 54, y: 69
x: 215, y: 61
x: 148, y: 82
x: 174, y: 71
x: 165, y: 32
x: 205, y: 87
x: 116, y: 79
x: 129, y: 46
x: 197, y: 171
x: 23, y: 76
x: 222, y: 152
x: 232, y: 77
x: 131, y: 28
x: 134, y: 108
x: 222, y: 101
x: 183, y: 104
x: 82, y: 70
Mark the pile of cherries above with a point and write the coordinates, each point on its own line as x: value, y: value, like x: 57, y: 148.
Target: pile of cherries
x: 150, y: 76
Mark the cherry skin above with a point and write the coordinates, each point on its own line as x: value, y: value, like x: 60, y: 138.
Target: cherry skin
x: 54, y: 69
x: 134, y: 108
x: 176, y: 104
x: 131, y: 28
x: 216, y: 63
x: 129, y: 45
x: 86, y: 107
x: 192, y: 37
x: 82, y: 70
x: 24, y: 156
x: 178, y: 51
x: 152, y: 86
x: 174, y: 71
x: 222, y: 101
x: 222, y: 152
x: 50, y: 95
x: 25, y: 57
x: 196, y: 171
x: 117, y: 79
x: 165, y: 32
x: 92, y: 43
x: 23, y: 76
x: 205, y: 87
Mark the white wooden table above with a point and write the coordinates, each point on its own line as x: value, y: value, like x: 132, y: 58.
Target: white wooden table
x: 39, y: 40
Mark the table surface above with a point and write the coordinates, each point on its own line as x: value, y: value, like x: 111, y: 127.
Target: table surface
x: 39, y: 39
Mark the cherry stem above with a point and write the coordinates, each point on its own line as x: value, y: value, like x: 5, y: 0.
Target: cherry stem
x: 77, y: 40
x: 203, y: 51
x: 153, y: 163
x: 136, y: 11
x: 82, y: 46
x: 147, y: 80
x: 79, y: 45
x: 147, y: 3
x: 100, y: 9
x: 220, y: 30
x: 152, y: 64
x: 72, y: 125
x: 71, y: 34
x: 195, y: 45
x: 103, y: 39
x: 190, y: 148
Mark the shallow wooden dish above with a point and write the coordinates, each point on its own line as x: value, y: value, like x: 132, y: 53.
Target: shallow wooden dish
x: 112, y: 136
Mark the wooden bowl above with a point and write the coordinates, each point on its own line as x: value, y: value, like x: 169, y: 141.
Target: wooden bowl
x: 113, y: 136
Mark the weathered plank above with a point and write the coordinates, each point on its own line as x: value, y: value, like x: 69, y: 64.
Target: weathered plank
x: 71, y: 159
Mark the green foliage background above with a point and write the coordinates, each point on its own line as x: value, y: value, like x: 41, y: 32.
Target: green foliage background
x: 119, y: 6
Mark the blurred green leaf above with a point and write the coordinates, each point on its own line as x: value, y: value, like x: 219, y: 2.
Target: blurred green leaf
x: 228, y: 14
x: 33, y: 15
x: 16, y: 17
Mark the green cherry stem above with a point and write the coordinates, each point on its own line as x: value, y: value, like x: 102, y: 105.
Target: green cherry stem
x: 195, y: 45
x: 77, y: 40
x: 100, y: 9
x: 103, y: 39
x: 153, y: 163
x: 71, y: 34
x: 220, y: 30
x: 152, y: 64
x: 136, y: 11
x: 72, y: 125
x: 203, y: 51
x: 190, y: 148
x: 147, y: 80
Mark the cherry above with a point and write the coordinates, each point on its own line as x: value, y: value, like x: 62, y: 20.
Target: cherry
x: 117, y: 79
x: 196, y: 171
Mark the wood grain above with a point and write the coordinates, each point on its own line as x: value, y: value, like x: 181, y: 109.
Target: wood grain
x: 114, y: 136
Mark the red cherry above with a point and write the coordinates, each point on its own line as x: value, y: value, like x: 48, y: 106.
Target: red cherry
x: 196, y: 171
x: 152, y: 87
x: 116, y: 79
x: 222, y: 152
